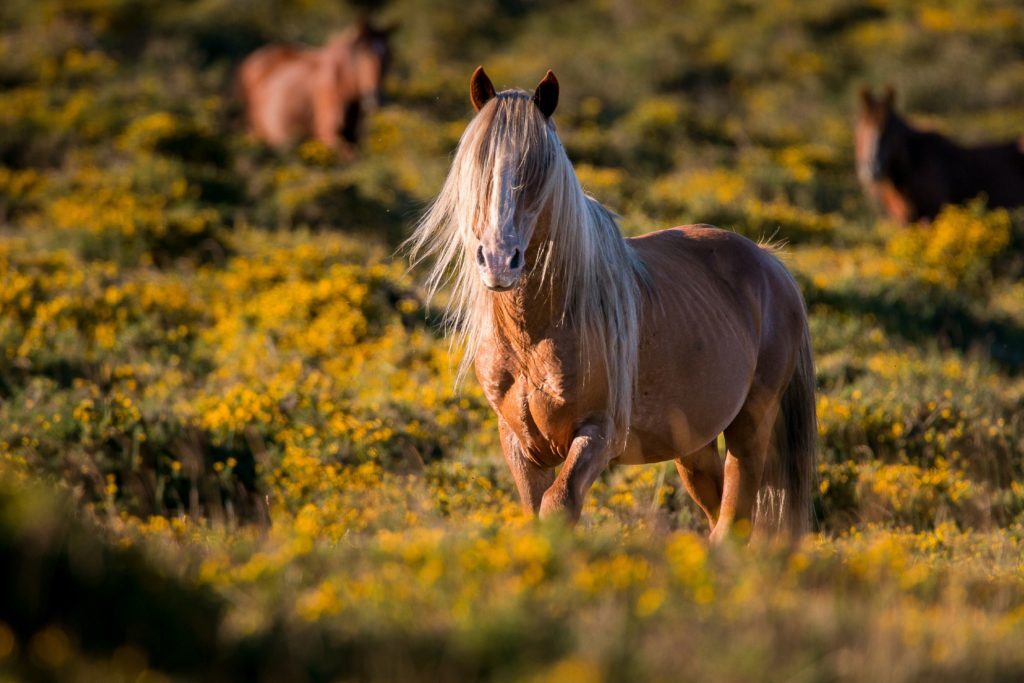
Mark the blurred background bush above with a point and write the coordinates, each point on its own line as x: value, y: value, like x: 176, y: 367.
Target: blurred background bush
x: 211, y: 359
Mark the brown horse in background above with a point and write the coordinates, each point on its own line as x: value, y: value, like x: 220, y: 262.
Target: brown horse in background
x: 592, y: 348
x: 292, y: 91
x: 914, y: 173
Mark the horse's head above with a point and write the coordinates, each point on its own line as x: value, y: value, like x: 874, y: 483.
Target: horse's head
x: 361, y: 59
x: 880, y: 137
x: 514, y: 146
x: 372, y: 61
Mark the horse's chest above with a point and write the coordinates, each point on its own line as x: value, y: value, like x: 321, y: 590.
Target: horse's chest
x: 538, y: 398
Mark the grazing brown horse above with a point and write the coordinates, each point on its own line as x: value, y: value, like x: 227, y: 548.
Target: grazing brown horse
x: 914, y: 173
x: 592, y: 348
x: 293, y: 91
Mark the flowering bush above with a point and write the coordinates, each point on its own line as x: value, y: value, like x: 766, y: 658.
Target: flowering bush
x: 959, y: 249
x: 228, y: 423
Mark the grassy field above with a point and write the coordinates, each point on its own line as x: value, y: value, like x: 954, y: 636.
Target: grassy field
x: 231, y: 443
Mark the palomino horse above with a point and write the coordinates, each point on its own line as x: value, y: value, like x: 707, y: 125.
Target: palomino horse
x: 914, y: 173
x: 592, y: 348
x: 292, y: 91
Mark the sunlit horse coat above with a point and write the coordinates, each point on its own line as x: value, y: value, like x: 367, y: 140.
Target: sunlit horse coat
x: 592, y: 348
x: 291, y: 92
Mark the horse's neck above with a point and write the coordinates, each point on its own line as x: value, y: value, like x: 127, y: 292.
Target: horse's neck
x: 929, y: 146
x: 935, y: 161
x: 923, y: 148
x: 529, y: 314
x: 337, y: 61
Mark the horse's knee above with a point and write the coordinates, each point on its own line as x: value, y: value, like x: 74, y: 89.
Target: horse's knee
x: 530, y: 479
x: 588, y: 456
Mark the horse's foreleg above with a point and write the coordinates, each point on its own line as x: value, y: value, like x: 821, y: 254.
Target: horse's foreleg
x: 748, y: 439
x: 531, y: 481
x: 325, y: 129
x: 588, y: 456
x: 328, y: 116
x: 702, y: 475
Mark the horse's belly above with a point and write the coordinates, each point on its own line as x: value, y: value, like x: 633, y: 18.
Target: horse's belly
x: 686, y: 404
x: 673, y: 438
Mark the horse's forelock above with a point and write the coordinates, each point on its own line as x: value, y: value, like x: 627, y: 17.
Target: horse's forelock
x: 508, y: 134
x: 583, y: 246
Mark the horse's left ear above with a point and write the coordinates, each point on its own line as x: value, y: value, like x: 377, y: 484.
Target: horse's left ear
x: 546, y: 94
x: 889, y: 97
x: 867, y: 98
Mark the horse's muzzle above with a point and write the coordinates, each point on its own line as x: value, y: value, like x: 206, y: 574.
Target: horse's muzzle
x: 500, y: 269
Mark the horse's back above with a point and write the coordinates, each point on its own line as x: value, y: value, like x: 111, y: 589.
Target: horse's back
x: 995, y: 170
x: 264, y: 61
x: 729, y: 259
x: 1005, y: 166
x: 706, y: 277
x: 275, y: 83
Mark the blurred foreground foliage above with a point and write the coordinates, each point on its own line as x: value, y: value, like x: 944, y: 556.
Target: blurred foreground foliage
x: 230, y: 427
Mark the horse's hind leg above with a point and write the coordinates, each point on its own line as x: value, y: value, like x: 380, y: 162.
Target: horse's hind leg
x: 702, y: 475
x: 748, y: 440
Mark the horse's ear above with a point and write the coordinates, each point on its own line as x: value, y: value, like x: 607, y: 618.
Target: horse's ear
x: 481, y: 90
x: 546, y: 94
x: 867, y: 98
x: 889, y: 97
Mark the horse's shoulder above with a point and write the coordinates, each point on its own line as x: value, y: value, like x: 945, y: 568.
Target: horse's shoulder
x: 535, y: 391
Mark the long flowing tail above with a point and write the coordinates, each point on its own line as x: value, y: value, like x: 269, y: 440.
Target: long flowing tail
x: 784, y: 503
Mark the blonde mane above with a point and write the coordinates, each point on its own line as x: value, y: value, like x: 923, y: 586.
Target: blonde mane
x: 584, y: 252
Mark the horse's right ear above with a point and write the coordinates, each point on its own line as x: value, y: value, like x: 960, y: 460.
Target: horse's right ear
x: 889, y: 97
x: 546, y: 94
x: 867, y: 98
x: 481, y: 90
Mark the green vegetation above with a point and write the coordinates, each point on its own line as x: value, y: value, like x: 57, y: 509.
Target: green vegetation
x: 229, y: 426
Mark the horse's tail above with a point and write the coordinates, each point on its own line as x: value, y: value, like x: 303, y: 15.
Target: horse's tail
x: 784, y: 503
x: 241, y: 107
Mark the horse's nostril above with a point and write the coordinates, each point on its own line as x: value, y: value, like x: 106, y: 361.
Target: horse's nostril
x: 513, y: 262
x: 480, y: 255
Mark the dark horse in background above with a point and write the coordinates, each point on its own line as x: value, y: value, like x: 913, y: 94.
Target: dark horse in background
x: 914, y: 173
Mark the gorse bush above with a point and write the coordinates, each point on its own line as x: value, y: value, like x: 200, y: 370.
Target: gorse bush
x: 118, y: 217
x: 959, y: 250
x: 229, y: 423
x: 292, y: 345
